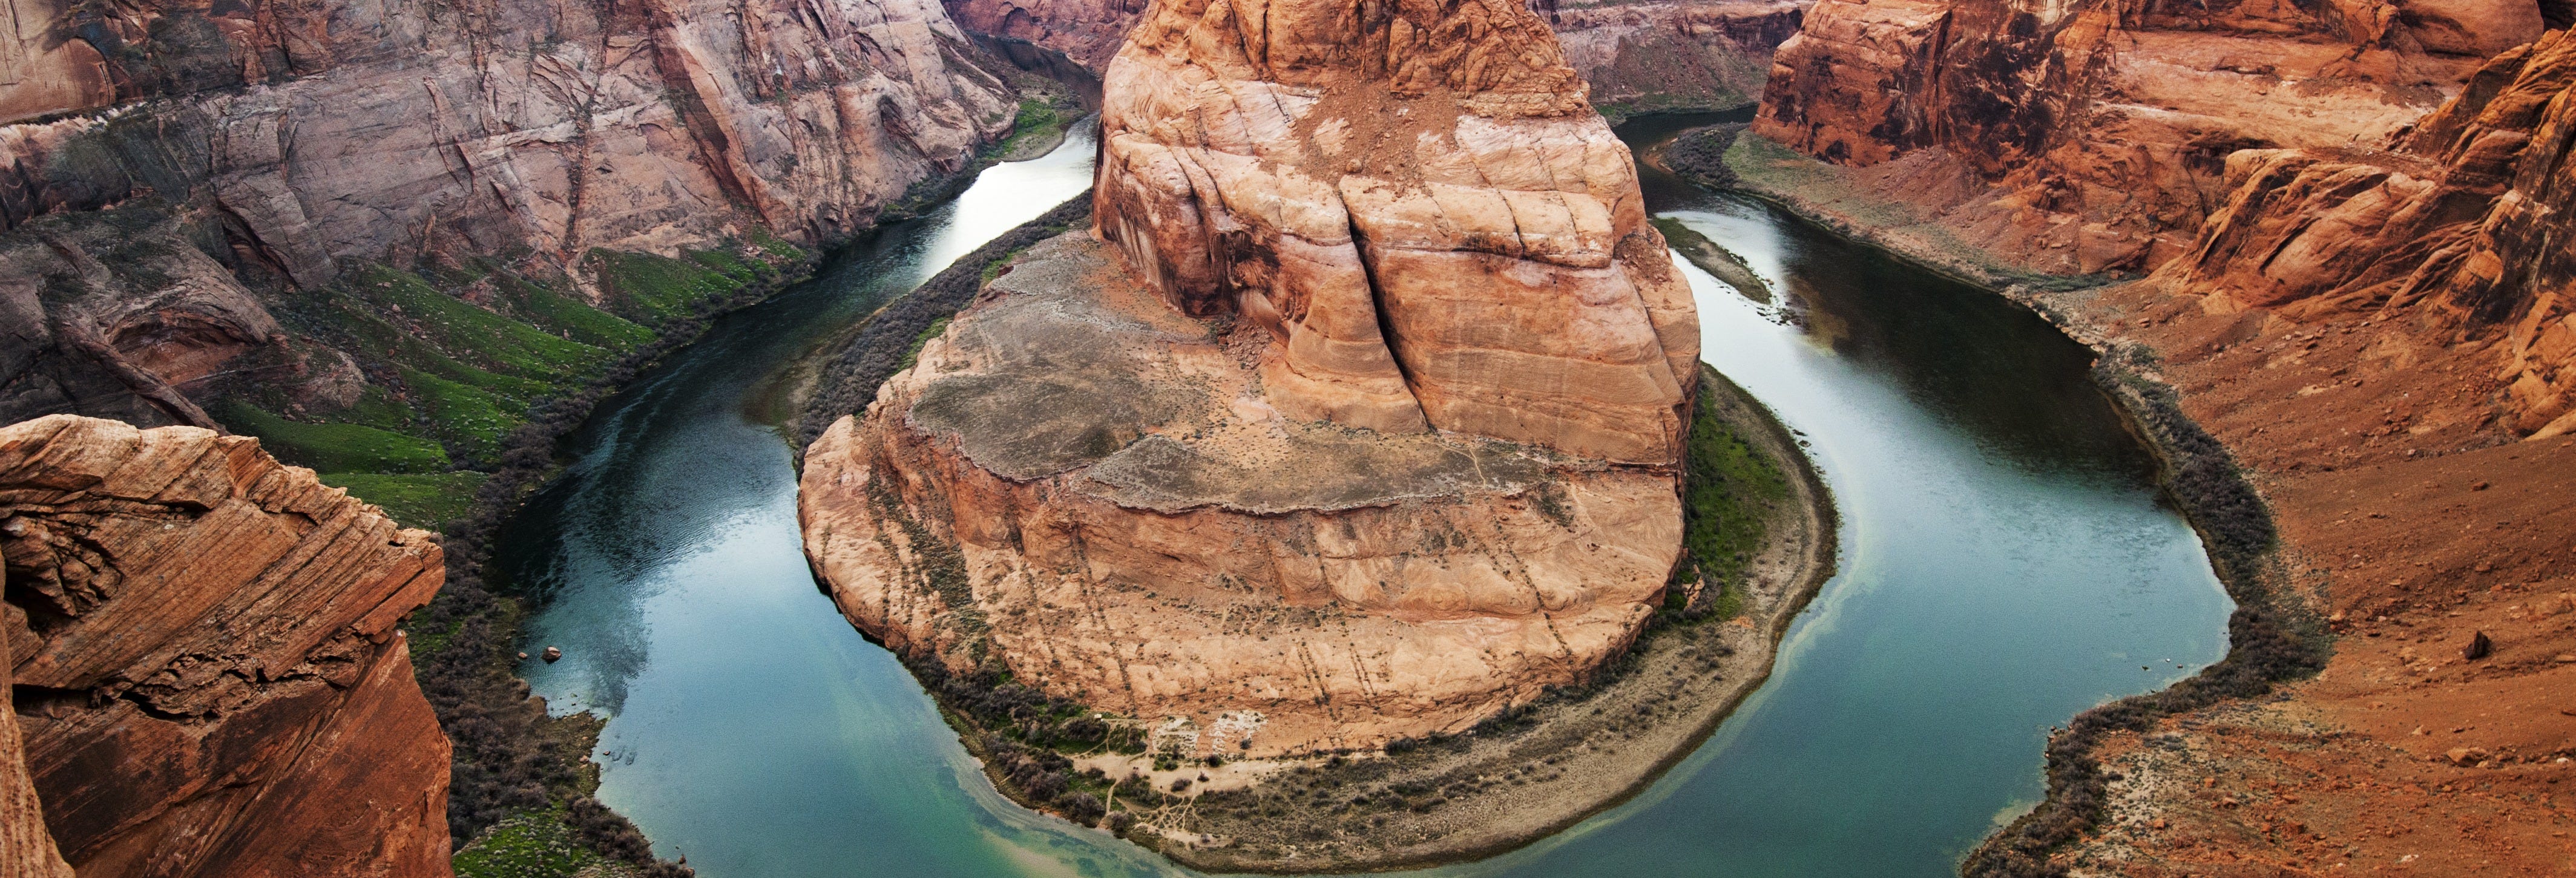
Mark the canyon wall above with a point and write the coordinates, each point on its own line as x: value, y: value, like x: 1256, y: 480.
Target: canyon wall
x: 2092, y: 137
x: 179, y: 165
x: 1355, y: 418
x: 207, y: 677
x: 1637, y: 56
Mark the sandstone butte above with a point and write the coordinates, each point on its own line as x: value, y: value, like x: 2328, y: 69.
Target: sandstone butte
x: 1354, y: 418
x: 206, y: 672
x: 2350, y: 218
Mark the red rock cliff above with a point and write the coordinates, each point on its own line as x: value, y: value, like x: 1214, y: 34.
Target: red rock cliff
x: 207, y: 677
x: 2092, y: 136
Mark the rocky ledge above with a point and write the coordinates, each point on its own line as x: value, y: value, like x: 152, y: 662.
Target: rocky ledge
x: 207, y: 677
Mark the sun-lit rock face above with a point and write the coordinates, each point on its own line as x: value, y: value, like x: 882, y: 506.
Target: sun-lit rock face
x: 2465, y: 221
x: 2087, y: 136
x: 1419, y: 206
x: 1079, y: 485
x: 208, y: 678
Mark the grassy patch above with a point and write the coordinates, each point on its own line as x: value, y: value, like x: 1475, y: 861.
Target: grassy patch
x: 1728, y: 498
x: 649, y: 289
x: 1039, y: 122
x: 932, y: 331
x: 469, y: 418
x: 534, y: 844
x: 423, y: 501
x: 333, y: 447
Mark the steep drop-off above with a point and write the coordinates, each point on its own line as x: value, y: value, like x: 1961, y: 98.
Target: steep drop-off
x: 2350, y: 222
x: 1358, y: 420
x: 204, y: 661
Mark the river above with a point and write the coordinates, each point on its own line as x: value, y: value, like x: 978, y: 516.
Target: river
x: 2006, y: 563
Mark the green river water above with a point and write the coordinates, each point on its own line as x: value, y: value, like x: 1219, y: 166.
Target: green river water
x: 2005, y: 563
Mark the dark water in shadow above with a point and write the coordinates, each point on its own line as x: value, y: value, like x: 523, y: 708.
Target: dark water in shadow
x: 2005, y: 565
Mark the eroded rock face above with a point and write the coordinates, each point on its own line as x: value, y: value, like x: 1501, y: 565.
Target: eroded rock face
x: 209, y: 680
x: 1088, y: 488
x: 2464, y: 221
x: 1638, y: 56
x: 1417, y: 204
x: 521, y: 128
x: 2090, y: 136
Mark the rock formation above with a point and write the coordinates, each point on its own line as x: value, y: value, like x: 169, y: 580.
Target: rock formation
x: 207, y: 676
x: 1356, y: 423
x: 1684, y: 54
x: 2463, y: 220
x: 2091, y: 137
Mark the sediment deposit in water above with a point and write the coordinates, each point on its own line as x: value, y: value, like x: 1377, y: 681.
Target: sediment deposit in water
x: 206, y: 672
x: 1358, y: 420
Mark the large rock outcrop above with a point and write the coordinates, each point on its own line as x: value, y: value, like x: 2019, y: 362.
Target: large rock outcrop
x: 2092, y: 136
x: 1420, y: 208
x: 1638, y: 56
x: 2464, y: 222
x: 1356, y: 421
x: 208, y: 680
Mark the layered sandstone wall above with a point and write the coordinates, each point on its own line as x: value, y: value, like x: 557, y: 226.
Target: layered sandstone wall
x: 208, y: 680
x: 2087, y: 137
x: 306, y: 134
x: 1637, y: 56
x: 1420, y: 208
x: 2463, y: 222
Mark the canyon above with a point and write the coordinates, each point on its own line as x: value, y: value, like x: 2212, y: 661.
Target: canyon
x: 2333, y: 231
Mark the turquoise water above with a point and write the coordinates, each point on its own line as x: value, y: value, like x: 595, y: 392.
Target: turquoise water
x: 2005, y: 565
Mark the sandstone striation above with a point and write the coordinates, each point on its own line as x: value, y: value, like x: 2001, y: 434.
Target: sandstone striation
x: 1637, y: 56
x: 2458, y: 223
x: 1436, y: 232
x: 207, y: 675
x: 1091, y: 489
x: 2091, y: 137
x: 302, y: 135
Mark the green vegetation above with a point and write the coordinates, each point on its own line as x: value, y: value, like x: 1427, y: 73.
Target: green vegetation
x: 647, y: 288
x: 458, y: 357
x: 535, y: 844
x: 1728, y: 497
x: 932, y: 331
x: 334, y: 447
x: 1039, y: 127
x: 424, y: 501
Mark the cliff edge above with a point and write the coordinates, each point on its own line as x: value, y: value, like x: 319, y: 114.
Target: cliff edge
x: 205, y: 668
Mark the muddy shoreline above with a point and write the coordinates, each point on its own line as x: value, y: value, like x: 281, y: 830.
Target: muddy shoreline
x: 2275, y: 635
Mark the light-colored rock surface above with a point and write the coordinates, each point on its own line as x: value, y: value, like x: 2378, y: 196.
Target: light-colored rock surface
x: 2092, y: 137
x: 218, y: 686
x: 529, y: 129
x: 1420, y: 208
x: 26, y: 848
x: 1089, y: 488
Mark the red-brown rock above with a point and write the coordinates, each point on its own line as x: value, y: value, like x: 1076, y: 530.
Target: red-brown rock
x: 210, y: 681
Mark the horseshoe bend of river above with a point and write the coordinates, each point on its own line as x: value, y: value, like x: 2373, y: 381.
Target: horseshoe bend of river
x: 2006, y: 563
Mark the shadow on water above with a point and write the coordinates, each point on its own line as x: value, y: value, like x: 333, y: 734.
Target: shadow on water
x: 2005, y: 565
